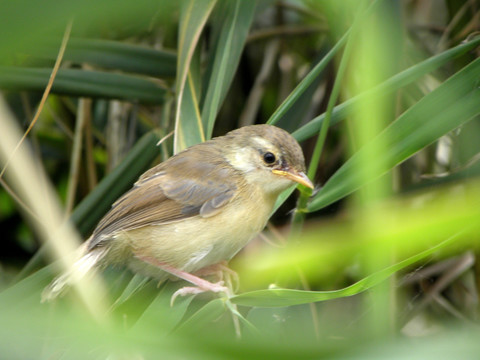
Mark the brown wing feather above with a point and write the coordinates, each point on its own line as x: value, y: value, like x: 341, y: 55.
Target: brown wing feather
x: 188, y: 184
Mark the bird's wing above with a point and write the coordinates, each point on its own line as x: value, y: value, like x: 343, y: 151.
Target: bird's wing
x: 182, y: 187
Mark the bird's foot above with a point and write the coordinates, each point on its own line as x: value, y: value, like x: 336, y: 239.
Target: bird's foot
x: 201, y: 285
x: 222, y: 272
x: 192, y: 290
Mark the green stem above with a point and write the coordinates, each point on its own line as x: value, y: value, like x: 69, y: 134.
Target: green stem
x: 301, y: 210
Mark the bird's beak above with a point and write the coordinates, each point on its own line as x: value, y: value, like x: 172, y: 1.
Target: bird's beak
x: 293, y: 175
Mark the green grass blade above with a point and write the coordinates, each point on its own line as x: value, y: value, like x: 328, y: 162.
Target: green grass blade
x: 235, y: 17
x: 396, y: 82
x: 188, y: 127
x: 111, y: 55
x: 83, y: 83
x: 453, y: 103
x: 288, y: 297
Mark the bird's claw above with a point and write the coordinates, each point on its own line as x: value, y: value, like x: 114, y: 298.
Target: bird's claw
x: 223, y: 272
x: 193, y: 290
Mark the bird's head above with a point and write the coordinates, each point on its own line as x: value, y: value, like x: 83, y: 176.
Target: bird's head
x: 267, y: 156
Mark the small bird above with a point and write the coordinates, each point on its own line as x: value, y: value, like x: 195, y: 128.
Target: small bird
x: 195, y: 210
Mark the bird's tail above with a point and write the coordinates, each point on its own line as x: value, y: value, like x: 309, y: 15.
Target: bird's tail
x: 86, y: 262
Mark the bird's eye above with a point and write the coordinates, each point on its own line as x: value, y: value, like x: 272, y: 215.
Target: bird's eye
x: 269, y: 158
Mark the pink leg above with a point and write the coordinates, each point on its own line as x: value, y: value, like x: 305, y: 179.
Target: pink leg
x: 215, y: 269
x: 202, y: 285
x: 219, y: 270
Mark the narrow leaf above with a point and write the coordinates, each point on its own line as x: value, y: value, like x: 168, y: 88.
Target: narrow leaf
x: 453, y: 103
x: 193, y: 17
x: 189, y: 127
x: 111, y: 55
x: 288, y: 297
x: 396, y: 82
x: 236, y: 17
x: 83, y: 83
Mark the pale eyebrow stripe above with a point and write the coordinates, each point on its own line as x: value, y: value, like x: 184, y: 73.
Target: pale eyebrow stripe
x: 262, y: 142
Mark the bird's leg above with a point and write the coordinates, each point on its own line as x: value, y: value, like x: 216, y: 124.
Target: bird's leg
x: 223, y: 272
x: 202, y: 284
x: 220, y: 269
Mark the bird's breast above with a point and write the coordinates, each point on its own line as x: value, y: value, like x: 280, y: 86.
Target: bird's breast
x: 196, y: 242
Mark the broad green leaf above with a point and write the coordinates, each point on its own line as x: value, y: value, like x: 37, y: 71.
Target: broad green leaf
x: 235, y: 18
x: 208, y: 313
x: 161, y: 310
x: 188, y: 127
x: 396, y: 82
x: 83, y: 83
x: 278, y: 297
x: 111, y: 55
x: 453, y: 103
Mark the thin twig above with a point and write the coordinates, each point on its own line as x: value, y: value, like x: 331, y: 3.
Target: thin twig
x: 470, y: 27
x: 456, y: 18
x: 165, y: 137
x: 459, y: 266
